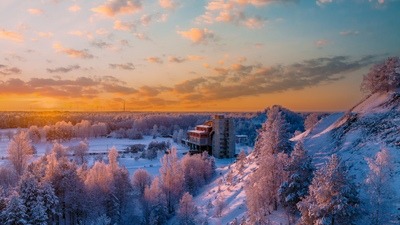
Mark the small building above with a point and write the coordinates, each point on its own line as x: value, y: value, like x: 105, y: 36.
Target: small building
x: 242, y: 139
x: 216, y: 136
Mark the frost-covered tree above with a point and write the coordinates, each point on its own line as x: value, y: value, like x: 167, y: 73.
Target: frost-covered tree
x: 379, y: 187
x: 113, y: 158
x: 300, y: 174
x: 197, y: 171
x: 311, y: 120
x: 8, y: 177
x: 172, y: 179
x: 34, y: 134
x: 333, y: 197
x: 31, y: 195
x: 241, y: 161
x: 262, y: 189
x: 80, y: 152
x: 140, y: 180
x: 15, y: 212
x: 274, y: 135
x: 19, y: 151
x: 382, y: 77
x: 155, y: 204
x: 187, y: 210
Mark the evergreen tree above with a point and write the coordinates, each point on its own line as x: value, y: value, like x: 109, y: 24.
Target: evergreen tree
x: 274, y: 135
x: 333, y: 197
x: 15, y: 212
x: 300, y: 172
x: 31, y: 196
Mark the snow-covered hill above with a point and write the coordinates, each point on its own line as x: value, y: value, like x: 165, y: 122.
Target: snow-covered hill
x: 371, y: 125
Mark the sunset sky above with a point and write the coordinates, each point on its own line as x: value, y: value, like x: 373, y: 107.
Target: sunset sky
x: 191, y: 55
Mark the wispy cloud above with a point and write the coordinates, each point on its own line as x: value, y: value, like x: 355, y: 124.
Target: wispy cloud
x: 234, y: 11
x: 239, y: 80
x: 124, y: 26
x: 114, y: 7
x: 168, y: 4
x: 349, y: 32
x: 11, y: 35
x: 74, y: 8
x: 126, y: 66
x: 9, y: 70
x: 73, y: 88
x: 74, y: 53
x: 45, y: 34
x: 66, y: 69
x: 198, y: 35
x: 154, y: 59
x: 35, y: 11
x: 321, y: 43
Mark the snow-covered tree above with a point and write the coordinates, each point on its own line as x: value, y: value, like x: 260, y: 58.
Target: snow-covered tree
x: 241, y: 161
x: 80, y: 152
x: 31, y: 195
x: 274, y: 135
x: 113, y: 158
x: 15, y: 212
x: 311, y: 120
x: 187, y: 210
x: 155, y: 204
x: 19, y: 151
x: 172, y: 179
x: 333, y: 197
x: 379, y: 187
x: 300, y: 174
x: 382, y: 77
x: 34, y: 134
x: 262, y: 189
x: 196, y: 171
x: 140, y: 180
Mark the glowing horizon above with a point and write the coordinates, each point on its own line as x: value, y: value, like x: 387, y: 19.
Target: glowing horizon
x: 189, y: 56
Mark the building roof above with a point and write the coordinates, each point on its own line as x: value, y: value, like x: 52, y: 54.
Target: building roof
x: 197, y: 131
x: 203, y: 126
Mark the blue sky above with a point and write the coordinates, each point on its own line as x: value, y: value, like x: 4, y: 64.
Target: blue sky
x: 175, y: 55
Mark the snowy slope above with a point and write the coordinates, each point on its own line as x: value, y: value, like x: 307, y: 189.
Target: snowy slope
x: 371, y: 125
x: 228, y: 187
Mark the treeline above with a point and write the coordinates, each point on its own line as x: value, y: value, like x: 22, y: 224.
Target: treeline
x: 63, y: 126
x: 57, y: 189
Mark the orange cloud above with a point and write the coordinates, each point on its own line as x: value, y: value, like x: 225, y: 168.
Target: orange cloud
x: 74, y: 8
x: 11, y: 36
x: 197, y: 35
x: 168, y: 4
x: 35, y: 11
x: 114, y: 7
x: 119, y: 25
x: 45, y: 34
x: 84, y: 54
x: 154, y: 60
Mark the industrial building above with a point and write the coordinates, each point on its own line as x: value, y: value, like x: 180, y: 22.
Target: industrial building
x: 216, y: 136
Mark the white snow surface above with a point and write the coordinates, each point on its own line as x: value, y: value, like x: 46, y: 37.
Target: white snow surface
x: 373, y: 124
